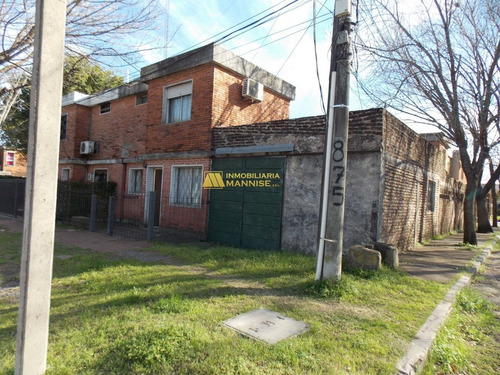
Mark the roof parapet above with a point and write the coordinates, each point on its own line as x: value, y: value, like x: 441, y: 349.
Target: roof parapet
x: 220, y: 56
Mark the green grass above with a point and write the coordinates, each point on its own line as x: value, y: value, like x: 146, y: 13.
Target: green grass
x: 469, y: 342
x: 112, y: 316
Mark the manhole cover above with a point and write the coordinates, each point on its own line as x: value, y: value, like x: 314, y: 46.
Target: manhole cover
x: 267, y: 326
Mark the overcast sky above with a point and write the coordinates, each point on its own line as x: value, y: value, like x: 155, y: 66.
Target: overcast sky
x: 283, y: 46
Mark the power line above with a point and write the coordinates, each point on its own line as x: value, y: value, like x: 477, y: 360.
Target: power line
x: 232, y: 27
x: 323, y: 18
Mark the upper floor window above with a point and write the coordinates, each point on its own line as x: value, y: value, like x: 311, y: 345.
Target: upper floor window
x: 9, y: 160
x: 105, y: 107
x: 64, y: 125
x: 177, y: 103
x: 141, y: 99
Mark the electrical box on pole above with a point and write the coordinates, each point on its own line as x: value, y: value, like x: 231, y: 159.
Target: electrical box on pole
x: 343, y: 8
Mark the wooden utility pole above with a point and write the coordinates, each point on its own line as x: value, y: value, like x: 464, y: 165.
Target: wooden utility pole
x: 329, y: 262
x: 41, y: 188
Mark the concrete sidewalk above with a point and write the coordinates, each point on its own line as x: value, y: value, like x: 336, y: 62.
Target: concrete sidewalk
x: 441, y: 260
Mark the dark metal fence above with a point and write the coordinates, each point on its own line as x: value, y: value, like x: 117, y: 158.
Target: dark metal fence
x: 83, y: 205
x: 12, y: 192
x: 144, y: 217
x: 141, y: 217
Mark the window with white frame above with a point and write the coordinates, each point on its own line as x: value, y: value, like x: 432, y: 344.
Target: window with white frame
x: 135, y: 181
x: 10, y: 159
x: 65, y: 174
x: 185, y: 189
x: 177, y: 103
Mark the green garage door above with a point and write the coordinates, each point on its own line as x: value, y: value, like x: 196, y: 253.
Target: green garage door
x: 246, y: 211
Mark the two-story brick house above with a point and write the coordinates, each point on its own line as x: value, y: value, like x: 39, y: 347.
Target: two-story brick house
x: 156, y: 134
x: 12, y: 163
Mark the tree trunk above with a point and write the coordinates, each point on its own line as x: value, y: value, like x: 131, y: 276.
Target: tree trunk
x: 469, y: 217
x: 483, y: 220
x: 494, y: 200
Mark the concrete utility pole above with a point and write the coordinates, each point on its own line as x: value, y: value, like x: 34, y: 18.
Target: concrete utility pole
x: 41, y: 188
x: 329, y: 261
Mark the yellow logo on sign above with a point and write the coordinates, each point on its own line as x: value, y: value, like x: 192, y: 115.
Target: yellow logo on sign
x: 213, y: 180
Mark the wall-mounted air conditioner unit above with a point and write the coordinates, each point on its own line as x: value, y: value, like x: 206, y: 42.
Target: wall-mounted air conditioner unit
x: 252, y: 90
x: 87, y: 147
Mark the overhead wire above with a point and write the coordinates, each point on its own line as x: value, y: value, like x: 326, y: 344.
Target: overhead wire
x: 223, y: 38
x: 323, y: 18
x: 248, y: 27
x: 316, y: 56
x: 257, y: 23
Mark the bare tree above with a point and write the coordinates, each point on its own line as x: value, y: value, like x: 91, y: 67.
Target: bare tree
x: 438, y: 62
x: 110, y: 32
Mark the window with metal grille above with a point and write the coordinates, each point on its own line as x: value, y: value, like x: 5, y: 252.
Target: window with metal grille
x: 185, y: 187
x: 105, y: 107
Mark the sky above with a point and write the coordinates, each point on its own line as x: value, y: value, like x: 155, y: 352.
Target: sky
x: 284, y: 46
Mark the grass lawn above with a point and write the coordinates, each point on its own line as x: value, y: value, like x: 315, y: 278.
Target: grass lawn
x: 115, y: 316
x: 469, y: 342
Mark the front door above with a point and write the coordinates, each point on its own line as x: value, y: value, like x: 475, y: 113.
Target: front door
x: 154, y: 183
x: 158, y: 174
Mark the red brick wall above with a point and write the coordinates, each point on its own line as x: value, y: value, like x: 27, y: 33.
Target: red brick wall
x: 77, y: 126
x: 216, y: 101
x: 120, y: 132
x: 369, y: 122
x: 410, y: 164
x: 183, y: 136
x: 77, y: 172
x: 230, y: 108
x: 187, y: 218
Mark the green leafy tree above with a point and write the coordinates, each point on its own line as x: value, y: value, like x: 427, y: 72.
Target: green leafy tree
x: 80, y: 74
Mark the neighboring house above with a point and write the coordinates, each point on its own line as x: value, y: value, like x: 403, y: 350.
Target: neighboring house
x: 12, y: 163
x: 401, y: 188
x: 155, y: 134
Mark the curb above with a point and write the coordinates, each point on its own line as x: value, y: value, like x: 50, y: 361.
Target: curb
x: 416, y: 356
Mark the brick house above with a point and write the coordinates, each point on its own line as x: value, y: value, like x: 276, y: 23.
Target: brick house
x: 155, y: 134
x: 12, y: 163
x: 401, y: 187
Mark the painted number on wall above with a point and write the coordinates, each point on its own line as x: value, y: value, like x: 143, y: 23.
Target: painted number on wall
x: 338, y: 169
